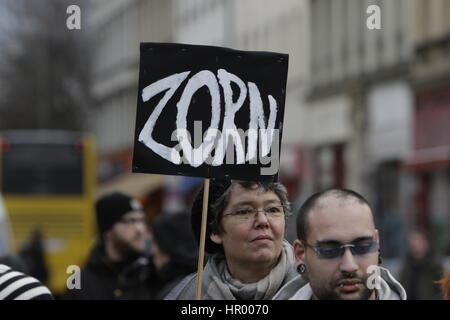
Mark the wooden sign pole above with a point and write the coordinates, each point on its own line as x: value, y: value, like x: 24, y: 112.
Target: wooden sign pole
x: 201, y: 252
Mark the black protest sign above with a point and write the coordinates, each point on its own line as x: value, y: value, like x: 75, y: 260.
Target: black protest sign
x: 209, y: 112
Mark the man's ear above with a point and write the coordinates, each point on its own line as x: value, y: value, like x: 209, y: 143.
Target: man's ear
x: 217, y: 239
x: 299, y: 252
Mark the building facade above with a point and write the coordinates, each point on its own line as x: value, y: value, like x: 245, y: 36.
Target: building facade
x: 429, y: 162
x: 119, y: 27
x: 360, y: 104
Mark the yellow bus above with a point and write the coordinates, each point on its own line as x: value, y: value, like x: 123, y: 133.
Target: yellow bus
x: 47, y: 179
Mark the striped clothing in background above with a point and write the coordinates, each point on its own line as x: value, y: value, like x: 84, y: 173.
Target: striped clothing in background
x: 15, y: 285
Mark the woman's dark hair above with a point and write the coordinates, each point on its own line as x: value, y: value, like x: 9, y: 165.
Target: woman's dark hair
x: 219, y: 197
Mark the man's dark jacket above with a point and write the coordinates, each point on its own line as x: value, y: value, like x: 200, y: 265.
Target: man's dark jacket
x: 103, y: 279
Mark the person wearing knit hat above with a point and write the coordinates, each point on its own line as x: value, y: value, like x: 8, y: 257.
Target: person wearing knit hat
x: 117, y: 267
x: 174, y: 251
x: 121, y: 224
x: 249, y: 257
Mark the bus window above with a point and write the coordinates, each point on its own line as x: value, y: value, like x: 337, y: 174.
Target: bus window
x: 42, y: 169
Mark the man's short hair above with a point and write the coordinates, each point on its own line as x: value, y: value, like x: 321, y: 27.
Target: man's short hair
x: 312, y: 202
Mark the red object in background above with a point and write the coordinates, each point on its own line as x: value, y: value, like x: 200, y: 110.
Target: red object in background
x: 79, y: 146
x: 4, y: 145
x: 422, y: 202
x: 431, y: 131
x: 153, y: 204
x: 432, y: 119
x: 431, y: 147
x: 337, y: 167
x: 118, y: 162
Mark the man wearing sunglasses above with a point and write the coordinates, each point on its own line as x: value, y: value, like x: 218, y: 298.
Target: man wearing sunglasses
x: 337, y: 250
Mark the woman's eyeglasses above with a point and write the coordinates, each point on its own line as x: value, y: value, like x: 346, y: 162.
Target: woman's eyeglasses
x: 271, y: 212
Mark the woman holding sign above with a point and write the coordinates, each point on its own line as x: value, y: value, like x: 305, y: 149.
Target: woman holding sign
x: 250, y: 259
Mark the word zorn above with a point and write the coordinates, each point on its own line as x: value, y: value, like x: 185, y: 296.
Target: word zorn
x: 213, y: 138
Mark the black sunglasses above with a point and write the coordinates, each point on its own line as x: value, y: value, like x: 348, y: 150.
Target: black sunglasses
x: 335, y: 251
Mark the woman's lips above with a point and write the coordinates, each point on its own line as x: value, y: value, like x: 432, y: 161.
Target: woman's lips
x: 262, y: 239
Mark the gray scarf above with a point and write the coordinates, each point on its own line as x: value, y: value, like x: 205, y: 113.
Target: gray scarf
x: 218, y: 284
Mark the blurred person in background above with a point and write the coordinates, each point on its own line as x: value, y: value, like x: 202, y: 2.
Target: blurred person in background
x: 117, y: 267
x: 421, y: 269
x: 174, y: 251
x: 336, y: 249
x: 33, y: 256
x: 250, y: 259
x: 445, y: 286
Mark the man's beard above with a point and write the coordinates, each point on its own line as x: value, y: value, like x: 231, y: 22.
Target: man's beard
x: 126, y: 249
x: 330, y: 293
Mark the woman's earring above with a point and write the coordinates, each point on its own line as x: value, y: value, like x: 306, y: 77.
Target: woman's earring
x: 379, y: 257
x: 301, y: 268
